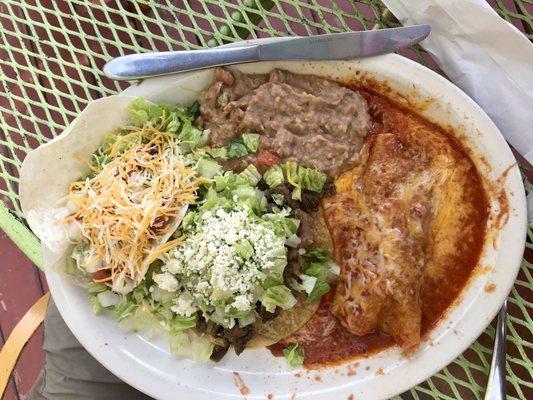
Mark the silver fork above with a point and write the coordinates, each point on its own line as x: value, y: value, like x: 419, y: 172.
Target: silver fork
x: 496, y: 382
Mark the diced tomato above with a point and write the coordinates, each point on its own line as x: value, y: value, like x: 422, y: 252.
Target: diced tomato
x: 267, y: 158
x: 101, y: 275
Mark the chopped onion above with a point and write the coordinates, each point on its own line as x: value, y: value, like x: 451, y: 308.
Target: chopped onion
x: 108, y: 298
x: 293, y: 241
x: 308, y: 283
x: 333, y: 268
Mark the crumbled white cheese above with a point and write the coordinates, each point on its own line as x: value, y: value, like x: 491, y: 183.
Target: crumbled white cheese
x: 184, y: 304
x: 242, y: 302
x: 209, y: 270
x: 166, y: 281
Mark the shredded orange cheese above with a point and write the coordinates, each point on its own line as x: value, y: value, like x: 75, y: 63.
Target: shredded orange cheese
x: 130, y: 208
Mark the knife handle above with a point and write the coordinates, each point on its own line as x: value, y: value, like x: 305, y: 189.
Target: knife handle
x: 137, y: 66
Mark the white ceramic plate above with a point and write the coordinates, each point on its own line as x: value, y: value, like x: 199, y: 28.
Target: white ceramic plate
x: 147, y: 363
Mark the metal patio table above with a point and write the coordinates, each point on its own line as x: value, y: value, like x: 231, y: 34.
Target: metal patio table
x: 51, y: 58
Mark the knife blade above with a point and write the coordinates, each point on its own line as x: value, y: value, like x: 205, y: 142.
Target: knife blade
x: 334, y: 46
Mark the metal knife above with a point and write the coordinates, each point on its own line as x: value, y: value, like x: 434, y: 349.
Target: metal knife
x: 334, y: 46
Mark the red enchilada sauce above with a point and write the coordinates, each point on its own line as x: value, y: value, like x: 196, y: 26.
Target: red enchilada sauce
x: 324, y: 339
x: 328, y: 342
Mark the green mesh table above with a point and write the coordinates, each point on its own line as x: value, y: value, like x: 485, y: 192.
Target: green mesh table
x: 51, y: 58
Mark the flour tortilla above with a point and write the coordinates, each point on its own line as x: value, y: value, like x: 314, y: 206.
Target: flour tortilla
x: 48, y: 171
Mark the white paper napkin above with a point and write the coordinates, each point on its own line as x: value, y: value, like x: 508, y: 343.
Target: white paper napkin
x: 482, y: 54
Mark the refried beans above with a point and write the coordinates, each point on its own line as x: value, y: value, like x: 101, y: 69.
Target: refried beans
x: 302, y: 118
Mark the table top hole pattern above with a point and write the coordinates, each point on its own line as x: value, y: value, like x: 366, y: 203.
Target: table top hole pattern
x: 51, y: 58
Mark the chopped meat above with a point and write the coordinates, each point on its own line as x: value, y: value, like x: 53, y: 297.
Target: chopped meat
x: 329, y: 188
x: 307, y: 119
x: 219, y: 352
x: 217, y: 331
x: 239, y: 336
x: 292, y: 270
x: 262, y: 185
x: 306, y: 231
x: 310, y: 201
x: 312, y: 231
x: 201, y: 323
x: 264, y: 314
x: 284, y: 190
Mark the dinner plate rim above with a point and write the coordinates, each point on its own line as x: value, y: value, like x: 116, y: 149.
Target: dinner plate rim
x: 129, y: 375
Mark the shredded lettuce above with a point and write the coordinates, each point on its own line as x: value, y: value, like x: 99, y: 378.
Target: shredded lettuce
x: 278, y: 296
x: 188, y: 344
x: 108, y: 141
x: 223, y: 181
x: 194, y: 109
x: 290, y: 172
x: 189, y: 219
x: 142, y: 320
x: 77, y: 257
x: 233, y: 312
x: 161, y: 115
x: 124, y: 308
x: 297, y: 176
x: 70, y: 266
x: 219, y: 152
x: 319, y: 255
x: 274, y: 176
x: 180, y: 322
x: 146, y: 113
x: 247, y: 319
x: 297, y: 193
x: 308, y: 283
x: 139, y: 112
x: 278, y: 199
x: 193, y: 137
x: 237, y: 149
x: 294, y: 355
x: 274, y: 279
x: 210, y: 200
x: 321, y: 287
x: 244, y: 249
x: 332, y: 268
x: 311, y: 179
x: 208, y: 168
x: 251, y: 174
x: 251, y: 141
x: 282, y: 225
x: 96, y: 306
x: 95, y: 288
x: 248, y: 143
x: 314, y: 277
x: 253, y: 197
